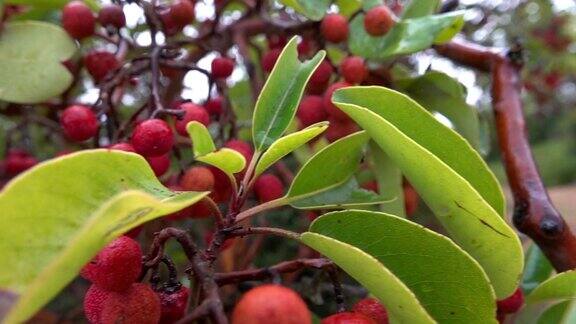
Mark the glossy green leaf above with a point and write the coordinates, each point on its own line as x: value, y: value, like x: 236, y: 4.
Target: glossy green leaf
x: 406, y: 37
x: 59, y: 214
x: 419, y: 8
x: 448, y: 283
x: 447, y: 172
x: 389, y: 179
x: 287, y: 144
x: 329, y: 168
x: 536, y: 270
x: 346, y: 195
x: 225, y: 159
x: 313, y: 9
x: 438, y: 92
x: 369, y: 4
x: 31, y: 53
x: 400, y: 302
x: 277, y: 103
x: 560, y: 287
x: 201, y: 140
x: 561, y: 313
x: 348, y: 7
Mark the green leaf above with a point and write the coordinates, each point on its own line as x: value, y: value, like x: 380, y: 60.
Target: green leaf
x: 537, y: 269
x: 329, y: 168
x: 369, y: 4
x: 448, y: 283
x: 348, y: 7
x: 438, y: 92
x: 447, y: 172
x: 59, y: 214
x: 202, y: 143
x: 406, y: 37
x: 31, y: 54
x: 53, y: 4
x: 419, y: 8
x: 560, y: 287
x: 277, y: 103
x: 225, y: 159
x: 561, y: 313
x: 313, y: 9
x: 389, y: 180
x: 287, y: 144
x: 347, y: 195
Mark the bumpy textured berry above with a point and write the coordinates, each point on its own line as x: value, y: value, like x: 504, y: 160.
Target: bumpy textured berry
x: 353, y: 69
x: 222, y: 186
x: 137, y: 304
x: 269, y: 59
x: 276, y: 41
x: 182, y: 12
x: 117, y: 266
x: 271, y: 304
x: 320, y: 78
x: 512, y: 303
x: 159, y: 164
x: 169, y: 26
x: 222, y: 67
x: 18, y: 161
x: 193, y: 112
x: 378, y: 20
x: 123, y: 146
x: 173, y: 305
x: 112, y: 15
x: 371, y: 307
x: 334, y: 28
x: 197, y: 178
x: 241, y: 147
x: 152, y: 137
x: 304, y: 47
x: 100, y: 63
x: 331, y: 109
x: 339, y: 129
x: 348, y: 318
x: 214, y: 106
x: 311, y: 111
x: 78, y: 20
x: 268, y: 187
x: 79, y: 123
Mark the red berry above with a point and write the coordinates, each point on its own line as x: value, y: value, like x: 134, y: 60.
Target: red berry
x: 100, y: 63
x: 18, y: 161
x: 197, y: 179
x: 112, y: 15
x: 78, y: 20
x: 334, y: 28
x: 320, y: 78
x: 268, y: 187
x: 338, y: 129
x: 116, y: 266
x: 169, y: 26
x: 182, y: 12
x: 122, y: 146
x: 138, y: 304
x: 312, y: 215
x: 271, y: 304
x: 353, y: 69
x: 410, y: 199
x: 269, y: 59
x: 152, y: 137
x: 331, y: 109
x: 304, y: 47
x: 379, y: 20
x: 193, y: 112
x: 311, y: 111
x: 214, y: 106
x: 371, y: 185
x: 371, y: 307
x: 79, y: 123
x: 159, y: 164
x: 241, y: 147
x: 512, y: 303
x: 222, y: 67
x: 276, y: 41
x: 173, y: 305
x: 222, y: 186
x: 348, y: 318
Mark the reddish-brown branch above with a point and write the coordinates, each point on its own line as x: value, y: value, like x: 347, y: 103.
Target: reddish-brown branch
x: 263, y: 273
x: 534, y: 213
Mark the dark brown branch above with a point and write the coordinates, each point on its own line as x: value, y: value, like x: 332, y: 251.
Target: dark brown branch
x: 534, y: 213
x: 264, y: 273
